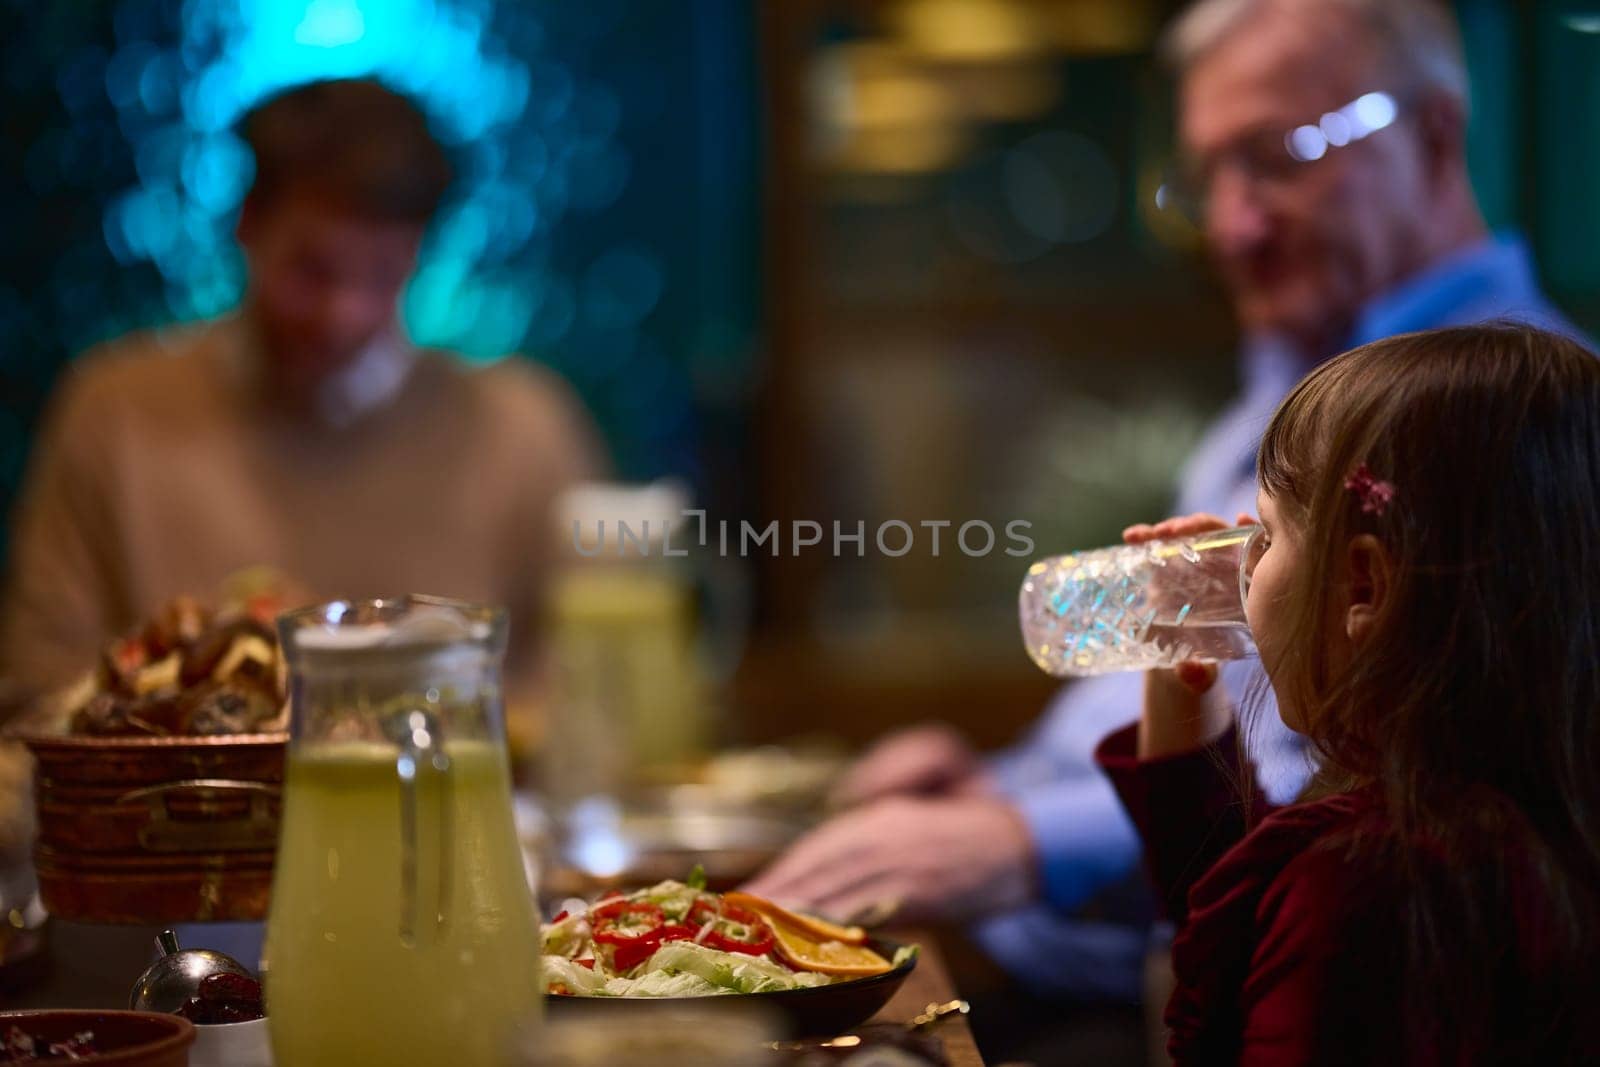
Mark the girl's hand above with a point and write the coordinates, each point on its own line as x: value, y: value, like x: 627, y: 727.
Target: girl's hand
x: 1181, y: 526
x: 1181, y: 712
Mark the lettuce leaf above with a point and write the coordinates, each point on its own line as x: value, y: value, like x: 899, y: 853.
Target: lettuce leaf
x: 661, y: 984
x: 580, y: 981
x: 566, y: 937
x: 730, y: 971
x: 674, y: 898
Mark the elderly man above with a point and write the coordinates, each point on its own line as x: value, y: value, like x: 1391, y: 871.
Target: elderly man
x: 1323, y: 147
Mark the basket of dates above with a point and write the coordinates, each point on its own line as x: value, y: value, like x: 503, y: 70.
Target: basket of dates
x: 158, y: 791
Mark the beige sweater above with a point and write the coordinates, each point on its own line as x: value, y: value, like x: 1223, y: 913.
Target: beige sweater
x: 159, y: 472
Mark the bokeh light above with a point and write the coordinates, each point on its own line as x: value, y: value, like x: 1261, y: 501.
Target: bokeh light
x: 179, y: 104
x: 125, y: 180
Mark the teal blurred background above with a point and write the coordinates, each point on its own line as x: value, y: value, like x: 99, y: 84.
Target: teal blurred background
x: 605, y: 220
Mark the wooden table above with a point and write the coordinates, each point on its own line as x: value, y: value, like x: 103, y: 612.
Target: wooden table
x: 92, y: 965
x: 930, y: 983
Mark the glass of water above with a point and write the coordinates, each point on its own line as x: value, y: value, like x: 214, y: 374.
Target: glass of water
x: 1143, y: 606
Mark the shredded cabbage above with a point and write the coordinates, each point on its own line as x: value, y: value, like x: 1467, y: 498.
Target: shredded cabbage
x: 673, y: 898
x: 661, y: 984
x: 731, y: 971
x: 566, y: 937
x: 579, y: 980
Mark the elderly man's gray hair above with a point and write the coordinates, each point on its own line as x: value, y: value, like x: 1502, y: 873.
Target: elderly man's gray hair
x: 1420, y: 41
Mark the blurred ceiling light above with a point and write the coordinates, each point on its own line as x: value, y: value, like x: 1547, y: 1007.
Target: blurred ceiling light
x: 871, y: 56
x: 1101, y: 26
x: 874, y: 85
x: 882, y: 189
x: 967, y: 31
x: 1586, y: 22
x: 910, y: 150
x: 895, y: 100
x: 1003, y: 93
x: 880, y: 111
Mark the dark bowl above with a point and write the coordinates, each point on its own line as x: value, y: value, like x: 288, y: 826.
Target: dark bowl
x: 821, y: 1011
x: 129, y: 1038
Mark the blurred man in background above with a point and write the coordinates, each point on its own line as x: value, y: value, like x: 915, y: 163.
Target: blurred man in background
x: 1323, y: 151
x: 302, y: 432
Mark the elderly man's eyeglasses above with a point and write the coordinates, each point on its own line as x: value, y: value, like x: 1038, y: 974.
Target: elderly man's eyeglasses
x: 1269, y: 160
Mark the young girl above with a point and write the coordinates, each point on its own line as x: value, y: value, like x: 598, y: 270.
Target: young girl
x: 1423, y: 592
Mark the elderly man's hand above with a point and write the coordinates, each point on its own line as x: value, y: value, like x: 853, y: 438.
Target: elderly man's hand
x: 923, y: 759
x: 909, y: 859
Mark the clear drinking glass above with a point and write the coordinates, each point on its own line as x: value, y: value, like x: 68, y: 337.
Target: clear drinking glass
x: 1137, y: 607
x: 402, y: 926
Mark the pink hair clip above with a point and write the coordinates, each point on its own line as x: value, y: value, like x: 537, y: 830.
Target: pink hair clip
x: 1373, y: 492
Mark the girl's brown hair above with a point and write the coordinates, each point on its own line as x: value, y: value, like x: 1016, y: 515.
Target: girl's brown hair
x: 1472, y: 708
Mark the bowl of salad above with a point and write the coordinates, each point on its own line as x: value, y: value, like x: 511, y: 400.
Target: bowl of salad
x: 677, y: 941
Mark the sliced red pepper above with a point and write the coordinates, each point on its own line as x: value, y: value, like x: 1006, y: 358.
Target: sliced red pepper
x: 563, y: 915
x: 626, y: 957
x: 732, y: 928
x: 621, y: 919
x: 634, y: 931
x: 585, y: 963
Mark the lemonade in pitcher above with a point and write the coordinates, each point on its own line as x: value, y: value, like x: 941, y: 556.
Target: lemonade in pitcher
x: 403, y: 929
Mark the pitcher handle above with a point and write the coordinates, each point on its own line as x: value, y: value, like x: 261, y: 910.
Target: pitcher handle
x: 416, y: 732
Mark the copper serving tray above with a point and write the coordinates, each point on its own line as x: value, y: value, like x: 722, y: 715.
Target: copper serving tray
x: 157, y: 829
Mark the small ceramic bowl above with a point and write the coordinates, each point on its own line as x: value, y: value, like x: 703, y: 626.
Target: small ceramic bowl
x: 231, y: 1045
x: 128, y: 1038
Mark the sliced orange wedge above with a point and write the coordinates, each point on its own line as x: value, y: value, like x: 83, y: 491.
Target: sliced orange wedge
x: 811, y: 944
x: 803, y: 953
x: 809, y: 925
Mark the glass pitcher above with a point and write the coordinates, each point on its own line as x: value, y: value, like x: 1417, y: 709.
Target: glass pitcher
x: 629, y: 700
x: 402, y: 926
